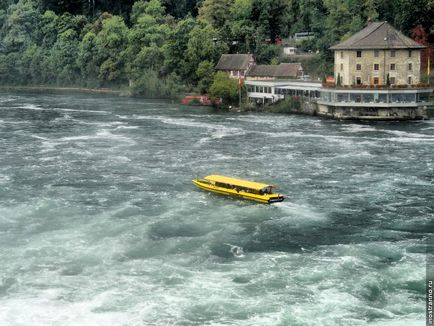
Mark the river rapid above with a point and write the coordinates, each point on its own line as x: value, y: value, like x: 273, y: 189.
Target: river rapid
x: 101, y: 225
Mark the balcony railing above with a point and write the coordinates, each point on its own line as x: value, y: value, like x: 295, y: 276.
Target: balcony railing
x: 385, y: 87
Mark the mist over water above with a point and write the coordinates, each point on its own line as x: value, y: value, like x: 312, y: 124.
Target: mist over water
x: 101, y: 225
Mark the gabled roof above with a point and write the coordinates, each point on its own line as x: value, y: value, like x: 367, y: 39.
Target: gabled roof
x: 234, y: 62
x: 262, y: 71
x: 279, y: 71
x: 288, y: 70
x: 378, y: 35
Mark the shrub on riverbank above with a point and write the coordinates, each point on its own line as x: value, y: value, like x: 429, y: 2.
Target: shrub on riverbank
x: 288, y: 105
x: 151, y: 85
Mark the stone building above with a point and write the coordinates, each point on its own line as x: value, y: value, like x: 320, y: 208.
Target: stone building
x: 378, y: 55
x: 236, y: 65
x: 378, y: 70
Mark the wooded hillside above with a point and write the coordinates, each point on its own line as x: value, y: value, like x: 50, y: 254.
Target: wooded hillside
x: 159, y: 47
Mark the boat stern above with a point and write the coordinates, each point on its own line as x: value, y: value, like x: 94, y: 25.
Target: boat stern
x: 276, y: 198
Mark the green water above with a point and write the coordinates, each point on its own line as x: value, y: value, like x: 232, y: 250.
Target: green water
x: 100, y: 224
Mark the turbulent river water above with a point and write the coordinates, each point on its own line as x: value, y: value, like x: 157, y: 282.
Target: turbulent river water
x: 101, y: 225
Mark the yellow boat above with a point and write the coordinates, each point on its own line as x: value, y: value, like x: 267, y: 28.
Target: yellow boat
x: 256, y: 191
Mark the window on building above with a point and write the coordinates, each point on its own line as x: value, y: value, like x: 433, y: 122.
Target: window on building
x: 376, y: 53
x: 392, y: 66
x: 409, y: 80
x: 392, y: 80
x: 376, y: 66
x: 342, y: 54
x: 410, y: 66
x: 342, y: 66
x: 359, y: 54
x: 409, y: 53
x: 393, y: 53
x: 358, y: 80
x: 376, y: 81
x: 358, y: 66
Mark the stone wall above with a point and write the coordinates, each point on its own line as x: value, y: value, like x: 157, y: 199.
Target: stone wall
x: 372, y: 113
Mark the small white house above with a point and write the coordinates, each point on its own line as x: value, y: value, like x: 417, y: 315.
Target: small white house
x: 289, y: 50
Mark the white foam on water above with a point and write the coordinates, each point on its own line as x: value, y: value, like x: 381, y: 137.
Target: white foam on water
x: 409, y: 137
x: 30, y: 107
x: 39, y: 108
x: 7, y: 99
x: 416, y: 320
x: 39, y: 137
x: 4, y: 179
x: 219, y: 130
x: 359, y: 128
x: 121, y: 159
x: 127, y: 127
x: 297, y: 212
x: 412, y: 140
x: 342, y: 140
x: 48, y: 309
x: 102, y: 134
x: 236, y: 250
x: 358, y: 154
x: 407, y: 134
x: 76, y: 110
x: 24, y: 122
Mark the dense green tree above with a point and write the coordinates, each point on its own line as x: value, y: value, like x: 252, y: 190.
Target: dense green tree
x: 89, y: 8
x: 202, y: 47
x: 215, y: 12
x: 146, y: 39
x: 49, y: 25
x: 87, y: 59
x: 176, y: 48
x: 32, y: 68
x: 270, y: 18
x: 205, y: 73
x: 111, y: 42
x: 4, y: 4
x: 9, y: 70
x: 224, y: 88
x: 21, y: 27
x: 239, y: 28
x: 181, y: 8
x: 63, y: 58
x: 157, y: 46
x: 410, y: 13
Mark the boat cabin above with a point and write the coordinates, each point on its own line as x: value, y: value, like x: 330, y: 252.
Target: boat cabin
x: 239, y: 185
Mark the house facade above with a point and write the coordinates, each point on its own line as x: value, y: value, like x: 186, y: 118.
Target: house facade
x: 236, y: 65
x: 377, y: 55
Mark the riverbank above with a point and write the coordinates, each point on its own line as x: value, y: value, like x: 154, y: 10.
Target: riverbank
x: 63, y: 90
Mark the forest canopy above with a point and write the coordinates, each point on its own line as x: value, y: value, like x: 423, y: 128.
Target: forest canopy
x: 157, y: 48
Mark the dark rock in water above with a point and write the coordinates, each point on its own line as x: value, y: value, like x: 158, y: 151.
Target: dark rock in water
x: 241, y: 279
x: 6, y: 284
x: 71, y: 270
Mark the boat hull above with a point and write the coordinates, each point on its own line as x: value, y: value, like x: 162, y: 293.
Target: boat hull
x: 264, y: 199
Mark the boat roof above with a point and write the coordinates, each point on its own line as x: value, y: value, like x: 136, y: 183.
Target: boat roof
x: 237, y: 182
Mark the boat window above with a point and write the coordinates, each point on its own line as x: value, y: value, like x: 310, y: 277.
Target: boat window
x: 266, y: 190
